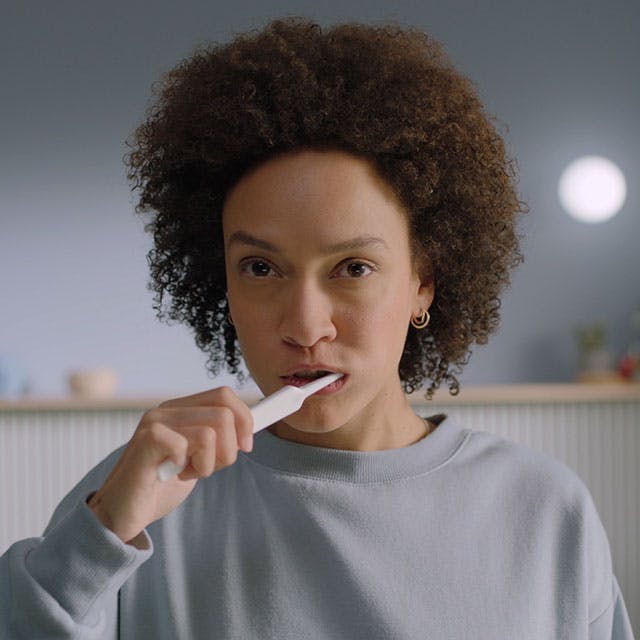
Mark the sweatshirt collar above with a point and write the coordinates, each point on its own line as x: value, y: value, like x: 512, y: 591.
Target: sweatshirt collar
x: 322, y: 463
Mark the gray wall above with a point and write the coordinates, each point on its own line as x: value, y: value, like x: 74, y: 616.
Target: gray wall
x: 75, y: 80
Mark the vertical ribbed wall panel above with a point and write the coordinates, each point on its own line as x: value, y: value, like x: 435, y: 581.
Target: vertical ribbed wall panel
x: 43, y: 454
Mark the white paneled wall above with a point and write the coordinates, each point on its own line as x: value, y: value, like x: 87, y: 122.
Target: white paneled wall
x: 44, y: 452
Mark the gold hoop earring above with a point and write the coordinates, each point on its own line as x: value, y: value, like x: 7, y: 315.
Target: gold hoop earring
x: 421, y: 321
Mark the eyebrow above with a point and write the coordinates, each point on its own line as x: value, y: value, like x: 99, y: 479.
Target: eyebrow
x: 359, y: 242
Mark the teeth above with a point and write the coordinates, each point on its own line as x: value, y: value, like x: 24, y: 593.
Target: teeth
x: 310, y: 374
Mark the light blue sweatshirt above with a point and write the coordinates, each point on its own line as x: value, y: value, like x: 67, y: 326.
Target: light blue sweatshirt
x: 460, y: 535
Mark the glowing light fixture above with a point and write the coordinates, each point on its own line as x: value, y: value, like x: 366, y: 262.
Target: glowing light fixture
x: 592, y: 189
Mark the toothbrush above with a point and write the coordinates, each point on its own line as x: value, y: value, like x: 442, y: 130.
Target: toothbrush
x: 278, y: 405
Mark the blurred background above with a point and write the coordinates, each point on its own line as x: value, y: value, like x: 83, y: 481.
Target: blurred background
x: 560, y: 77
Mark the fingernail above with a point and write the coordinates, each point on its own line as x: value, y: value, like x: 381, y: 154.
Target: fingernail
x: 247, y: 444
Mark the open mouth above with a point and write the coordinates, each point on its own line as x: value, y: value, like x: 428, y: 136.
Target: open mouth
x: 300, y: 378
x: 311, y: 375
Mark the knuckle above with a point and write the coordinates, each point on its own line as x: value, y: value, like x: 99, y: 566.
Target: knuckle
x: 148, y: 429
x: 167, y: 403
x: 155, y: 434
x: 181, y: 446
x: 154, y: 430
x: 226, y: 393
x: 227, y: 456
x: 153, y: 415
x: 224, y: 416
x: 204, y: 437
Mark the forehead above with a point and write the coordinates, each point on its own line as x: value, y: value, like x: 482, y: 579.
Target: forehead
x: 323, y: 192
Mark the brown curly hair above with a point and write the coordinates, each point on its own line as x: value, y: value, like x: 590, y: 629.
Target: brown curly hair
x: 385, y: 93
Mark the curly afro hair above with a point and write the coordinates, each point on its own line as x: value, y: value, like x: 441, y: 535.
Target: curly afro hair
x: 385, y: 93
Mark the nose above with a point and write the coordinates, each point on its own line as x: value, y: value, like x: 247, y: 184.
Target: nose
x: 306, y: 315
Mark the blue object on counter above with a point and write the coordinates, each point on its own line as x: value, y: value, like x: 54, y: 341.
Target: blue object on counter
x: 13, y: 377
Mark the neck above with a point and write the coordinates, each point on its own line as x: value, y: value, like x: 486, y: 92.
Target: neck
x: 387, y: 423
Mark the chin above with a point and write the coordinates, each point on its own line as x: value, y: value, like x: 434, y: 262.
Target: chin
x: 316, y: 423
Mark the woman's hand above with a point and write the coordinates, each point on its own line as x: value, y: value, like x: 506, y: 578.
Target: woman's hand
x: 204, y: 430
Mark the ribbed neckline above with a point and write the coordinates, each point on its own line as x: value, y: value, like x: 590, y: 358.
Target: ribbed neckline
x: 360, y: 466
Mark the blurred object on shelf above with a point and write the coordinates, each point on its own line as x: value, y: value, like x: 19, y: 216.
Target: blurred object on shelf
x: 13, y: 377
x: 600, y: 377
x: 629, y: 365
x: 596, y: 361
x: 93, y: 383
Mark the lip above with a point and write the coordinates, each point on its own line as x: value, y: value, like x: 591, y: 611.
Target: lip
x: 290, y: 379
x: 334, y: 387
x: 314, y: 366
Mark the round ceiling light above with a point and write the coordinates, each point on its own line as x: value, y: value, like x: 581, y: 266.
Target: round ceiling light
x: 592, y: 189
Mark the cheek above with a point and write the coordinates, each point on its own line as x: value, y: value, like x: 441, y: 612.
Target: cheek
x: 253, y: 329
x: 381, y: 325
x: 250, y: 324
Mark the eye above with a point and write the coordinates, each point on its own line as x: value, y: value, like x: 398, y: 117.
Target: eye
x: 256, y: 268
x: 355, y: 269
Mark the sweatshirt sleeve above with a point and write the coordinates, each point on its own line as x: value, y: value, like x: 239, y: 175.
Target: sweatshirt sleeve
x: 64, y: 585
x: 613, y: 623
x: 608, y: 619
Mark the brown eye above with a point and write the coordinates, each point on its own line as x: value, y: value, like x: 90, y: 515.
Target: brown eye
x: 260, y: 269
x: 256, y: 268
x: 355, y: 270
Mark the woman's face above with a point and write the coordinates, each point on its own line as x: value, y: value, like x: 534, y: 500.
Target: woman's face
x: 320, y: 276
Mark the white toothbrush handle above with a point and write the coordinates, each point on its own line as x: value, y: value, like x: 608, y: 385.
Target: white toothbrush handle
x: 276, y: 406
x: 286, y: 401
x: 169, y: 469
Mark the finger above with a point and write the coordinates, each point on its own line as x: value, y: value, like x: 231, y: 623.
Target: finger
x: 209, y: 450
x: 201, y: 452
x: 226, y: 445
x: 157, y: 442
x: 221, y: 397
x: 209, y: 447
x: 204, y: 398
x: 180, y: 417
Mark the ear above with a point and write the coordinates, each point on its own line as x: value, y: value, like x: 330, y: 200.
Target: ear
x: 424, y: 297
x: 425, y: 286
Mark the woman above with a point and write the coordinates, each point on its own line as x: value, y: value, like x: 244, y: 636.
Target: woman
x: 322, y: 201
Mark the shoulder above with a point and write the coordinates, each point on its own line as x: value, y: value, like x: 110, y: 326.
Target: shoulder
x: 530, y: 484
x: 527, y: 470
x: 550, y: 501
